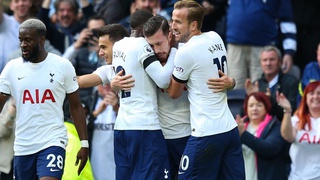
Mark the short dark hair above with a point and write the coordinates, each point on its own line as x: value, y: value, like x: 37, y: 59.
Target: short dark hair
x: 115, y: 32
x: 97, y: 18
x: 74, y: 4
x: 154, y: 24
x: 138, y: 18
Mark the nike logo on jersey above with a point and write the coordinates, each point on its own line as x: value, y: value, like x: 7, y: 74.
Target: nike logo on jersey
x: 180, y: 172
x: 19, y: 78
x: 54, y: 170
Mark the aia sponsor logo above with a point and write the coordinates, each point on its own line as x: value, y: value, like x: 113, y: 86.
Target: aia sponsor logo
x: 309, y: 138
x: 37, y: 97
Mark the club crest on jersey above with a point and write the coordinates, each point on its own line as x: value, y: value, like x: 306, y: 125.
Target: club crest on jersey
x: 148, y: 49
x: 51, y: 80
x: 166, y: 174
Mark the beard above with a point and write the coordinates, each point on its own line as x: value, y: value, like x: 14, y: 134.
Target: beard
x: 184, y: 38
x: 162, y: 57
x: 33, y: 54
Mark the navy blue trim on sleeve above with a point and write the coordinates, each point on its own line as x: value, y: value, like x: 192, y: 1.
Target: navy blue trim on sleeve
x: 149, y: 60
x: 179, y: 80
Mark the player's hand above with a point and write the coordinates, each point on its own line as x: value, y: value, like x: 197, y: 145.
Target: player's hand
x: 220, y: 84
x: 82, y: 157
x: 120, y: 82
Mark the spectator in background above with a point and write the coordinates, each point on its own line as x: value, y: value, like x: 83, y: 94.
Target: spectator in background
x: 152, y: 6
x: 167, y: 6
x: 114, y: 10
x: 251, y: 25
x: 306, y: 14
x: 83, y: 53
x: 21, y: 11
x: 310, y: 73
x: 63, y: 33
x: 302, y: 130
x: 95, y: 4
x: 9, y: 34
x: 263, y: 148
x: 273, y: 80
x: 101, y: 130
x: 7, y: 130
x: 214, y: 11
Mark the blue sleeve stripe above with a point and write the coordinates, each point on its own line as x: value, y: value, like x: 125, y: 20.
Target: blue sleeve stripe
x: 149, y: 60
x: 179, y: 80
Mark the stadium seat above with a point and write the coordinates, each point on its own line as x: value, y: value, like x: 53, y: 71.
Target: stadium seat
x: 236, y: 99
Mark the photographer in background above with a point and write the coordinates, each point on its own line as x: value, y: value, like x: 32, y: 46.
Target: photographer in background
x: 83, y: 53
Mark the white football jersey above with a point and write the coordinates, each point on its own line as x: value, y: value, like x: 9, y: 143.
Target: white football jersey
x: 195, y: 62
x: 105, y: 72
x: 138, y: 107
x: 174, y: 114
x: 304, y: 151
x: 39, y: 90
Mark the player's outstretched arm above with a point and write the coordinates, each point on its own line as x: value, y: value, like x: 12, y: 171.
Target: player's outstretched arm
x: 79, y: 119
x: 223, y: 83
x: 89, y: 80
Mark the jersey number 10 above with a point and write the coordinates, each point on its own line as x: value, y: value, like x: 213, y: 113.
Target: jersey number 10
x: 220, y: 66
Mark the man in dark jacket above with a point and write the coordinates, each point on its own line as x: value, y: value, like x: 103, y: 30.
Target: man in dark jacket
x: 273, y: 80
